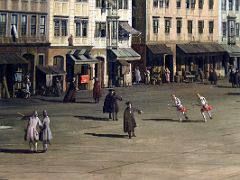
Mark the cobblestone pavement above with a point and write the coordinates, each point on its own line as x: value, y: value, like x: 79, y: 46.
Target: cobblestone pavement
x: 87, y: 145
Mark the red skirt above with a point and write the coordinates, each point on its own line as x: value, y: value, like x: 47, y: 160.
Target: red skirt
x: 206, y: 108
x: 182, y: 109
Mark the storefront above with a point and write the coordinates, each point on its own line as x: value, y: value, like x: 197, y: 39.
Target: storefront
x: 120, y: 66
x: 13, y: 69
x: 81, y: 65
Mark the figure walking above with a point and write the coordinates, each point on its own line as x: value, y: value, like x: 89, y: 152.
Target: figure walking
x: 205, y: 107
x: 96, y: 91
x: 107, y: 107
x: 32, y: 135
x: 129, y: 122
x: 46, y: 133
x: 71, y: 92
x: 180, y: 108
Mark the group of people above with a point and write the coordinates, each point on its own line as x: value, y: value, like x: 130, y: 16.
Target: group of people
x: 234, y: 78
x: 32, y: 133
x: 205, y: 108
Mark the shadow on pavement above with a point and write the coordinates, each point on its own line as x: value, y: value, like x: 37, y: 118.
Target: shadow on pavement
x: 221, y: 86
x: 172, y: 120
x: 91, y: 118
x: 107, y: 135
x: 233, y: 94
x: 15, y: 151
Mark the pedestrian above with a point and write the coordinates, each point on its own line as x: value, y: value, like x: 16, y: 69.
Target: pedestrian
x: 237, y: 78
x: 57, y: 88
x: 180, y: 108
x: 232, y: 77
x: 27, y: 85
x: 32, y: 135
x: 167, y: 75
x: 213, y: 78
x: 45, y: 133
x: 201, y: 75
x: 70, y: 95
x: 96, y: 90
x: 205, y: 107
x: 129, y: 122
x: 137, y: 75
x: 107, y: 107
x: 147, y: 76
x: 115, y: 107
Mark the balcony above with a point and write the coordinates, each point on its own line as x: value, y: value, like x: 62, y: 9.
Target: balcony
x: 24, y: 40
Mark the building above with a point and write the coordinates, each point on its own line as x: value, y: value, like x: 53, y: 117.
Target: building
x: 180, y: 35
x: 23, y: 42
x: 229, y: 29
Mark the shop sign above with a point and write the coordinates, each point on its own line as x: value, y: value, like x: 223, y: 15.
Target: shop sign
x: 84, y: 79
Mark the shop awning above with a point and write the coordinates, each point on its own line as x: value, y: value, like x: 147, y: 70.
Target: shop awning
x: 127, y: 54
x: 201, y: 48
x: 82, y: 56
x: 128, y: 28
x: 159, y: 49
x: 12, y: 58
x: 233, y: 51
x: 53, y: 70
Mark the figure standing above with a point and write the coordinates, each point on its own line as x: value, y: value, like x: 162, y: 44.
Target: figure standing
x: 137, y: 75
x: 115, y: 107
x: 57, y: 88
x: 213, y: 78
x: 180, y: 108
x: 232, y: 77
x: 167, y: 75
x: 27, y: 85
x: 129, y: 122
x: 147, y: 76
x: 107, y: 107
x: 237, y: 78
x: 32, y: 135
x: 205, y: 107
x: 46, y: 133
x: 71, y: 92
x: 96, y: 90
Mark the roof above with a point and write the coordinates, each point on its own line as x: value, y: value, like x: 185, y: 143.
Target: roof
x: 127, y: 54
x: 232, y: 50
x: 54, y: 70
x: 159, y: 49
x: 12, y: 58
x: 200, y: 48
x: 128, y: 28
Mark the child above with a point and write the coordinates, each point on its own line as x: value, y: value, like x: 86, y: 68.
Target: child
x: 205, y: 107
x: 180, y: 109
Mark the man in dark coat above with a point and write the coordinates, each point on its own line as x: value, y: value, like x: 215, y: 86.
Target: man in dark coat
x: 71, y: 92
x: 107, y: 107
x: 129, y: 122
x: 213, y: 78
x: 96, y: 91
x: 114, y: 104
x: 237, y: 78
x: 232, y: 77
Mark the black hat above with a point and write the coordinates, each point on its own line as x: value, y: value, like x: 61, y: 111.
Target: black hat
x: 111, y: 90
x: 129, y: 102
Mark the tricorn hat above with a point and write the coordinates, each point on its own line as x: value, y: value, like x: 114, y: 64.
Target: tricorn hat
x: 128, y: 103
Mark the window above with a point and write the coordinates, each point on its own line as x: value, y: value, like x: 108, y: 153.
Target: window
x: 179, y: 25
x: 190, y: 24
x: 231, y: 32
x: 81, y: 27
x: 200, y: 4
x: 167, y: 25
x: 81, y: 0
x: 42, y: 25
x: 178, y: 4
x: 237, y: 29
x: 155, y: 3
x: 58, y: 61
x: 211, y: 26
x: 60, y: 27
x: 100, y: 3
x: 100, y: 29
x: 237, y: 5
x: 161, y: 3
x: 193, y: 2
x: 210, y: 4
x: 41, y: 60
x: 155, y: 24
x: 224, y: 5
x: 33, y: 26
x: 224, y: 29
x: 230, y: 5
x: 166, y: 3
x: 24, y: 25
x: 187, y: 4
x: 3, y: 23
x: 200, y: 27
x: 123, y: 4
x: 14, y: 20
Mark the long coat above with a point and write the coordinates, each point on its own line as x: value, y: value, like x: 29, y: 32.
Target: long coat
x: 96, y: 90
x: 71, y: 93
x: 114, y: 104
x: 107, y: 107
x: 129, y: 122
x: 32, y: 133
x: 46, y: 133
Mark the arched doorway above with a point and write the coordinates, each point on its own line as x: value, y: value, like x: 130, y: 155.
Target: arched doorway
x: 58, y: 61
x: 99, y: 70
